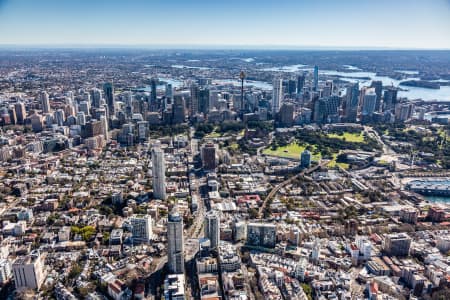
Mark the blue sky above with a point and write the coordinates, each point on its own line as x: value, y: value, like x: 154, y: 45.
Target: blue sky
x: 245, y: 23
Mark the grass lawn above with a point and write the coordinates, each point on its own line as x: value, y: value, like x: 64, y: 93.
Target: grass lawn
x: 333, y: 163
x: 292, y: 150
x: 234, y: 146
x: 213, y: 135
x: 348, y: 136
x: 442, y: 133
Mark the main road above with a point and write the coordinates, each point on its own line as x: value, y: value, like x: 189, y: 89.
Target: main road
x: 275, y: 190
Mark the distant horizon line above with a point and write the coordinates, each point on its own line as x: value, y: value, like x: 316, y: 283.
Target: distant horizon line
x: 10, y: 46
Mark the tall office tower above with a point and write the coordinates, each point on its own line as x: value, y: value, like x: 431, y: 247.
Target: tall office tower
x: 277, y: 95
x: 45, y: 102
x: 404, y: 112
x: 169, y: 91
x: 397, y: 244
x: 69, y: 110
x: 326, y: 109
x: 105, y: 127
x: 300, y: 83
x: 316, y: 78
x: 214, y: 96
x: 142, y: 128
x: 242, y: 105
x: 390, y: 98
x: 352, y: 102
x: 327, y: 89
x: 81, y: 118
x: 209, y: 156
x: 153, y: 84
x: 203, y: 100
x: 212, y: 228
x: 36, y: 122
x: 48, y: 120
x: 195, y: 96
x: 108, y: 90
x: 28, y: 271
x: 141, y: 228
x: 96, y: 98
x: 291, y: 87
x: 12, y: 115
x: 159, y: 173
x: 21, y: 113
x: 84, y: 107
x: 369, y: 102
x: 378, y: 86
x: 178, y: 109
x: 287, y: 114
x: 59, y: 117
x: 94, y: 128
x: 175, y: 242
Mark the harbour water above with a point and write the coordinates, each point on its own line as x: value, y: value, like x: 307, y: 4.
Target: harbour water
x: 438, y: 199
x: 412, y: 93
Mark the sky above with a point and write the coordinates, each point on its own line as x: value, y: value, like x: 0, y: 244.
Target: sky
x: 404, y: 24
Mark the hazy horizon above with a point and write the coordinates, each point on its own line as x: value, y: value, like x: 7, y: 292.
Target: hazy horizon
x: 210, y: 47
x: 352, y: 24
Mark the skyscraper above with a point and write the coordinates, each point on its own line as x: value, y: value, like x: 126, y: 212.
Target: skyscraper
x: 105, y: 127
x: 291, y: 87
x: 81, y: 118
x: 36, y: 122
x: 45, y: 102
x: 203, y: 100
x: 175, y: 242
x: 300, y: 83
x: 108, y: 89
x: 96, y: 98
x: 153, y: 84
x: 378, y: 86
x: 390, y: 98
x: 59, y: 117
x: 178, y: 109
x: 369, y: 103
x: 169, y: 91
x: 277, y: 95
x: 351, y: 108
x: 212, y: 228
x: 158, y: 171
x: 209, y: 156
x: 316, y: 78
x: 287, y: 114
x: 195, y: 95
x: 326, y: 109
x: 242, y: 78
x: 21, y: 113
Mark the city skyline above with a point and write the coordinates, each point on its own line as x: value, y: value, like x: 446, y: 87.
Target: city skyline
x: 176, y: 24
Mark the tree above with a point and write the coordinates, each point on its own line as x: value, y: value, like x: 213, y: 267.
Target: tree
x: 307, y: 289
x: 253, y: 213
x: 75, y: 271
